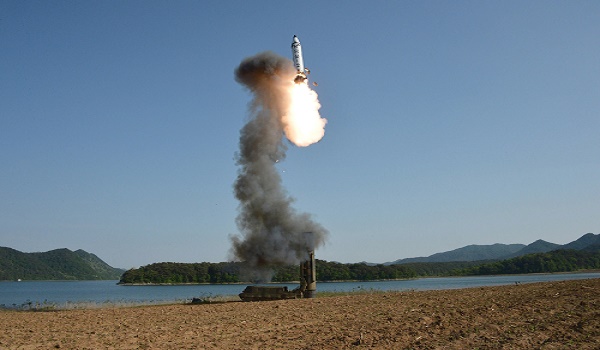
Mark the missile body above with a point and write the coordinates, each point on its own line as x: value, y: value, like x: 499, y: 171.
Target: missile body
x: 298, y: 61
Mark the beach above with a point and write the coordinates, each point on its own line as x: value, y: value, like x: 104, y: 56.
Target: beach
x: 548, y: 315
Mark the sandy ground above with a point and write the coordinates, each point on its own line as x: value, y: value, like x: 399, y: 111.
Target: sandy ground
x: 550, y: 315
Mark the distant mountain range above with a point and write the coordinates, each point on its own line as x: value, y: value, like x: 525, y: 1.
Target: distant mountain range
x: 58, y: 264
x: 502, y: 251
x: 64, y: 264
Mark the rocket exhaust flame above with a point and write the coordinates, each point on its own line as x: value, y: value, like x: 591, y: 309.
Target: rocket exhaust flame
x: 271, y: 231
x: 302, y: 123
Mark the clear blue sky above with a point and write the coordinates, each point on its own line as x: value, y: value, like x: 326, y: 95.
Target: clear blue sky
x: 450, y: 123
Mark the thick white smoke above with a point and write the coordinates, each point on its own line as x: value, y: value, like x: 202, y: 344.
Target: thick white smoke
x: 271, y: 231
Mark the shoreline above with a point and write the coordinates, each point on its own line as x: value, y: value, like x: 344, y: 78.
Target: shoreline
x: 358, y: 281
x: 297, y: 282
x: 541, y: 315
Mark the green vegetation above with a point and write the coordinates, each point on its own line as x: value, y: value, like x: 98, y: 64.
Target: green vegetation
x: 471, y: 252
x: 229, y: 272
x: 170, y: 272
x: 59, y: 264
x: 437, y: 269
x: 63, y: 264
x: 554, y: 261
x: 333, y: 271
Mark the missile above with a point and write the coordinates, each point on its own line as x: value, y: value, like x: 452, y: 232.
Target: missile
x: 298, y: 61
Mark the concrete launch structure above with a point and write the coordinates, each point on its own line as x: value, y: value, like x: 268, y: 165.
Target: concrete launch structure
x: 298, y: 61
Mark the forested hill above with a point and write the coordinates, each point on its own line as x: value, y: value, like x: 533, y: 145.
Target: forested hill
x: 581, y: 254
x: 230, y: 272
x: 501, y: 251
x: 58, y: 264
x: 471, y: 252
x: 562, y: 260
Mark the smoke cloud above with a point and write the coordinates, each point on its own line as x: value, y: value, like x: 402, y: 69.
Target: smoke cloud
x: 272, y: 232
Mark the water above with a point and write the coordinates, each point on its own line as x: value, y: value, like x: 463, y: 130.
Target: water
x: 69, y: 294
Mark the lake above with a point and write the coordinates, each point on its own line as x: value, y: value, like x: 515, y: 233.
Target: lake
x: 70, y: 294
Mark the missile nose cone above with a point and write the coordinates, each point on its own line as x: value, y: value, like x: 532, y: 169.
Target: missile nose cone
x: 296, y: 39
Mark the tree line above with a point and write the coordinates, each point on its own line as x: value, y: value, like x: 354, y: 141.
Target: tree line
x: 233, y: 272
x: 554, y: 261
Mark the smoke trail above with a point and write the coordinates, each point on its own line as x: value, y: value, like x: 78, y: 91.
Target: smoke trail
x: 272, y: 232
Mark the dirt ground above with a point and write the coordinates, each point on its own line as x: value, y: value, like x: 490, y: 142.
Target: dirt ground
x: 550, y: 315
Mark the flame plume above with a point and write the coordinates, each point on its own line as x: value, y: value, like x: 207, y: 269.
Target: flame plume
x: 271, y: 231
x: 303, y: 124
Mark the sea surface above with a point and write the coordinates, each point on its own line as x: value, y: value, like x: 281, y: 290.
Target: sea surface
x: 75, y: 294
